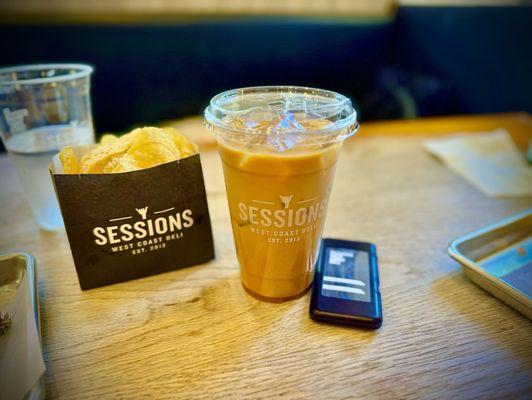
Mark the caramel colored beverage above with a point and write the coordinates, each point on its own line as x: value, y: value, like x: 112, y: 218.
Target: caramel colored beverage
x: 279, y: 154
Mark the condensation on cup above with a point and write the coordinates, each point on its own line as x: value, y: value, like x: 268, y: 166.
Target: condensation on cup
x: 44, y: 108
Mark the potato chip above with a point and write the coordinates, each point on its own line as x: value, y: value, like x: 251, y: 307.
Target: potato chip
x: 123, y: 163
x: 95, y: 160
x: 185, y: 146
x: 108, y: 138
x: 153, y: 146
x: 69, y: 160
x: 142, y: 148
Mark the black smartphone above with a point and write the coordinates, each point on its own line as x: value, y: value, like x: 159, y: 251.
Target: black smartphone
x: 346, y: 285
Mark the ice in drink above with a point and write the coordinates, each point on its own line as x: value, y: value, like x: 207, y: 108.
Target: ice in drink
x: 279, y: 148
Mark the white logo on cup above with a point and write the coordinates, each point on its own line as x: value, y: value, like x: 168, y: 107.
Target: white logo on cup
x: 266, y: 214
x: 286, y: 200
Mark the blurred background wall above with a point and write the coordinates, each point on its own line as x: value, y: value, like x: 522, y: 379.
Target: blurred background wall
x: 164, y: 59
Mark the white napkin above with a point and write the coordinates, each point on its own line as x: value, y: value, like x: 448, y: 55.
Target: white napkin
x: 490, y: 161
x: 21, y: 362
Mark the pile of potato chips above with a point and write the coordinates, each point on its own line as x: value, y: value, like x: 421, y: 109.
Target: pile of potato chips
x: 141, y: 148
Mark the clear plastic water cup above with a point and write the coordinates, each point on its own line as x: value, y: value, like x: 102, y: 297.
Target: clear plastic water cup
x: 42, y: 109
x: 279, y: 147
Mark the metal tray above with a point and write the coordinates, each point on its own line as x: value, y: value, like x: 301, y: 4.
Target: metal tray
x: 491, y: 257
x: 16, y: 265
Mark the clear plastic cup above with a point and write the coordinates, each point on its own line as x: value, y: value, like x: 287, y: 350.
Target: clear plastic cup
x: 279, y: 146
x: 42, y: 109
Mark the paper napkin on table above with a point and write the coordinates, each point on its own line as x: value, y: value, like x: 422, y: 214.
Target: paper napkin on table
x: 21, y: 361
x: 490, y: 161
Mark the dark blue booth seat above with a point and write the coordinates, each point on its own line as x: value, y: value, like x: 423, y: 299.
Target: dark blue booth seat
x: 482, y: 54
x: 426, y: 61
x: 148, y: 73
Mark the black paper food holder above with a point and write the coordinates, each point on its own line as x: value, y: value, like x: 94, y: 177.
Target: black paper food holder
x: 129, y: 225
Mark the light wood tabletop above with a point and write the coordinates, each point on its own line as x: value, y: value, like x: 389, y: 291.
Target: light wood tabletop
x: 196, y: 334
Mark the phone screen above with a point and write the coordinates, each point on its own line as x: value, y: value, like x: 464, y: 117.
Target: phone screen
x: 346, y: 274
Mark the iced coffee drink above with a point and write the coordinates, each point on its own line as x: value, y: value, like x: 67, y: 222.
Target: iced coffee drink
x: 279, y: 147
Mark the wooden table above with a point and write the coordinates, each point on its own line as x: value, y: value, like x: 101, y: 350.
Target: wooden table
x: 195, y: 333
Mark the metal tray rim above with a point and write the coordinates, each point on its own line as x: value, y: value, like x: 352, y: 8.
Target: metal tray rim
x: 468, y: 264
